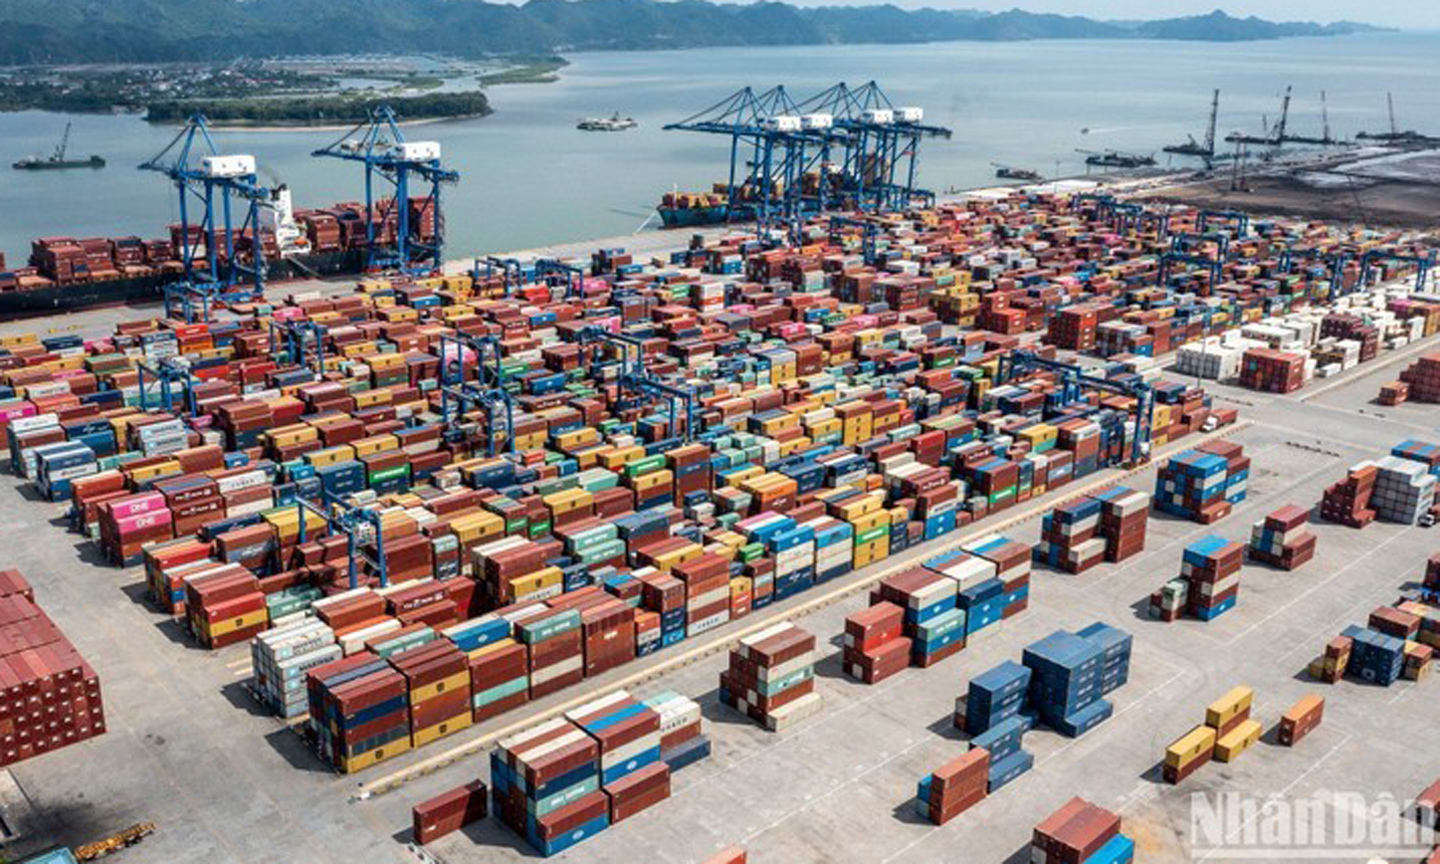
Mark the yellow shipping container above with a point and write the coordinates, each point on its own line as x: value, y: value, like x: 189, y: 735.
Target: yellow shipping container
x: 1229, y: 706
x: 421, y: 737
x: 375, y: 756
x: 375, y: 444
x: 1190, y: 746
x: 460, y: 680
x: 533, y: 583
x: 330, y: 455
x: 1238, y: 740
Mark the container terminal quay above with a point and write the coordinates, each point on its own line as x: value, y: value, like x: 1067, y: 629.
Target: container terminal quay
x: 870, y: 525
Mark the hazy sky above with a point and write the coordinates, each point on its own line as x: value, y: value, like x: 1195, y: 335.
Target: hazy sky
x: 1397, y: 13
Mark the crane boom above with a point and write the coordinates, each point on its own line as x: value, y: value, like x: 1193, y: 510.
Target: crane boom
x: 1214, y: 115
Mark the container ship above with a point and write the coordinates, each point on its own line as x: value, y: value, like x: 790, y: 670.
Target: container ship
x: 691, y: 209
x: 66, y: 273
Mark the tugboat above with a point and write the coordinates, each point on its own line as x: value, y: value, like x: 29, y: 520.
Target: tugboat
x: 57, y: 159
x: 614, y: 123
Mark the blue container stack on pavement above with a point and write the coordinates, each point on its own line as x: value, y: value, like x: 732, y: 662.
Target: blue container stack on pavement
x: 1375, y: 656
x: 1008, y: 759
x: 1065, y: 684
x: 993, y: 697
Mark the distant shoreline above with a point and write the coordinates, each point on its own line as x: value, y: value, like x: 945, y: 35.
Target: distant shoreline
x: 223, y: 125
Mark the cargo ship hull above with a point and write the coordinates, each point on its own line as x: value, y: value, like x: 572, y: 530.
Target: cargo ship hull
x: 150, y: 289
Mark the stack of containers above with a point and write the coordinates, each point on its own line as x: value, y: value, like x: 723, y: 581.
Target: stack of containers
x: 1374, y: 656
x: 932, y: 622
x: 1404, y: 490
x: 1348, y: 502
x: 1192, y: 485
x: 359, y: 711
x: 281, y: 658
x: 225, y: 606
x: 1423, y: 376
x: 874, y: 647
x: 1281, y: 539
x: 437, y: 683
x: 499, y: 665
x: 771, y: 678
x: 546, y: 786
x: 992, y: 698
x: 49, y: 696
x: 707, y: 591
x: 1227, y: 732
x: 557, y: 650
x: 682, y: 738
x: 1065, y: 683
x: 833, y: 546
x: 1004, y: 743
x: 1124, y: 514
x: 1012, y: 571
x: 627, y: 732
x: 1272, y: 371
x: 1235, y: 730
x: 1067, y: 536
x: 957, y: 786
x: 1209, y: 582
x: 1081, y: 833
x: 1432, y: 572
x: 1331, y: 665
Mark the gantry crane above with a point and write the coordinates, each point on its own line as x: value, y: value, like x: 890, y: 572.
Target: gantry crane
x: 882, y: 145
x: 1014, y: 364
x: 636, y: 378
x: 379, y: 144
x: 1236, y: 219
x: 200, y: 173
x: 1422, y: 263
x: 458, y: 391
x: 1334, y: 261
x: 870, y: 232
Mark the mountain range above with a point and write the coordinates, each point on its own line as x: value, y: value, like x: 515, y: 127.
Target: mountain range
x: 108, y: 31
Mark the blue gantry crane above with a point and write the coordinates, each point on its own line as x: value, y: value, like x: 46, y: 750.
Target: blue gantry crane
x: 302, y: 342
x: 380, y: 145
x: 1234, y: 219
x: 1073, y: 377
x: 634, y: 379
x: 1333, y: 261
x: 459, y: 391
x: 771, y: 148
x: 1423, y: 263
x: 205, y: 178
x: 869, y: 232
x: 776, y: 144
x: 174, y: 379
x: 881, y: 145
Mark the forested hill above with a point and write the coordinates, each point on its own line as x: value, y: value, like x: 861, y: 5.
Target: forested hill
x: 96, y: 31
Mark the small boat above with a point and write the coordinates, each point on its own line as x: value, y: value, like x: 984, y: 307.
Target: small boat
x: 57, y: 160
x: 614, y: 123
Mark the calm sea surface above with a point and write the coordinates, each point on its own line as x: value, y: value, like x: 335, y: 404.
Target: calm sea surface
x: 530, y: 178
